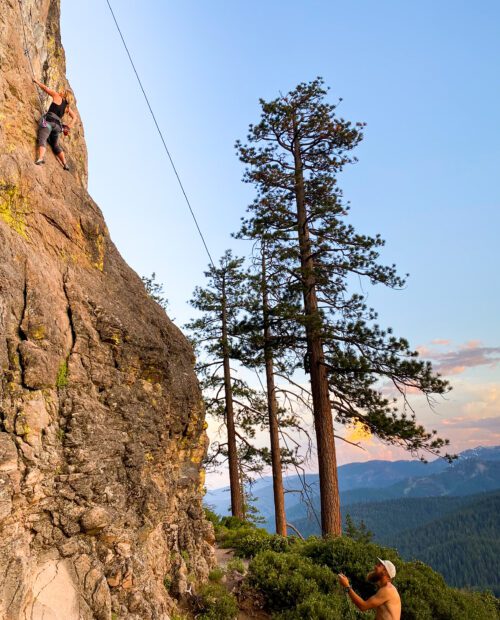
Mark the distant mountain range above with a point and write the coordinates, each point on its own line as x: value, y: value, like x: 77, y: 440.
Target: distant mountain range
x: 474, y: 471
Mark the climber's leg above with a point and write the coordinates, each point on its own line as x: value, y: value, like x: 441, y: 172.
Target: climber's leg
x: 43, y: 136
x: 57, y: 148
x: 62, y: 158
x: 41, y: 155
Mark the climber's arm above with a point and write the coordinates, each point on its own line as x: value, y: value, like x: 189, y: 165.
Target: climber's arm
x: 50, y: 92
x: 72, y: 117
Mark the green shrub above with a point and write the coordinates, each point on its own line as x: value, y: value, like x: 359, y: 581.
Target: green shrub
x: 251, y: 543
x: 426, y: 596
x: 167, y: 582
x: 302, y: 583
x: 62, y: 375
x: 234, y: 523
x: 216, y: 574
x: 237, y: 565
x: 215, y: 603
x: 345, y: 555
x: 248, y: 541
x: 287, y: 579
x: 232, y: 537
x: 324, y: 607
x: 211, y: 516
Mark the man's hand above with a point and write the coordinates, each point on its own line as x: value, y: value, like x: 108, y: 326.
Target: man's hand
x: 344, y: 582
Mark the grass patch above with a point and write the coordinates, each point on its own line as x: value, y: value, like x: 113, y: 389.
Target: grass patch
x: 237, y: 565
x: 62, y: 375
x: 216, y: 575
x: 215, y: 603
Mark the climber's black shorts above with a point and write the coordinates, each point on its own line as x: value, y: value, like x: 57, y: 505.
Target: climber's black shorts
x: 50, y: 133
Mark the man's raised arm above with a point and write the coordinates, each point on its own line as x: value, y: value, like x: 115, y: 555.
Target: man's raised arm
x: 378, y: 599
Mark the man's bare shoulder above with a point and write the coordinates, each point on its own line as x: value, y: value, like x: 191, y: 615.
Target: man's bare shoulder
x: 390, y: 591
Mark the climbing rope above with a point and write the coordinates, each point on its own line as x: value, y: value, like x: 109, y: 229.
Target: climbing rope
x: 27, y: 54
x: 306, y: 492
x: 160, y: 133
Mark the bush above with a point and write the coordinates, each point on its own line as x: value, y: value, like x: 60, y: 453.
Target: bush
x: 234, y: 523
x: 345, y: 555
x: 229, y: 537
x: 216, y: 574
x: 237, y: 565
x: 248, y: 541
x: 215, y: 603
x: 302, y: 583
x: 426, y: 596
x: 245, y: 538
x: 287, y: 579
x: 231, y: 529
x: 323, y: 607
x: 211, y: 516
x: 255, y: 542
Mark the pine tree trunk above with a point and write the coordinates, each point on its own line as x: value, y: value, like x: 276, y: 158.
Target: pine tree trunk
x: 234, y: 476
x: 323, y: 422
x: 272, y: 405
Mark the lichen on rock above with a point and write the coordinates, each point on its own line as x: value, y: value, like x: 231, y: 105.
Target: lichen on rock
x: 101, y: 423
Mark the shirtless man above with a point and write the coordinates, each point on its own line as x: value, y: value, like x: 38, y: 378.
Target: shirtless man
x: 386, y: 601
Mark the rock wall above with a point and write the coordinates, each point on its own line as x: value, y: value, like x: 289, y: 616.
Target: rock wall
x: 101, y: 419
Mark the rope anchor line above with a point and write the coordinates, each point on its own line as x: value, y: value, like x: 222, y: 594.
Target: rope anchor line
x: 161, y: 136
x: 28, y: 56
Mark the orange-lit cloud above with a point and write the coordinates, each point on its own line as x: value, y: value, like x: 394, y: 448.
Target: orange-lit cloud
x: 359, y: 433
x: 424, y: 351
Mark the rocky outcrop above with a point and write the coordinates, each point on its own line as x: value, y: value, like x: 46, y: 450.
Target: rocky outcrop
x: 101, y: 418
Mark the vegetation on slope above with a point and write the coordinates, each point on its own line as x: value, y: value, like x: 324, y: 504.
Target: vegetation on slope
x: 298, y: 579
x: 463, y: 544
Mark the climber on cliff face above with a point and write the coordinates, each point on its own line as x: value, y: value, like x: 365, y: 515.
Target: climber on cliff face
x: 51, y: 125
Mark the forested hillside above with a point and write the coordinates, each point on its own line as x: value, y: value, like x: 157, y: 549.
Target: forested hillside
x: 464, y: 478
x: 464, y: 546
x: 388, y: 518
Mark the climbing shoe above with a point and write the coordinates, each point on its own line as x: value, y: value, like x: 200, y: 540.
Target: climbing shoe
x: 65, y: 167
x: 40, y: 161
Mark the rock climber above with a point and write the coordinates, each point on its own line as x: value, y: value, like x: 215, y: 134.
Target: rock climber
x: 386, y: 600
x: 51, y: 125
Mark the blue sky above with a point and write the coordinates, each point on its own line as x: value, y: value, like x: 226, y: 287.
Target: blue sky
x: 422, y: 75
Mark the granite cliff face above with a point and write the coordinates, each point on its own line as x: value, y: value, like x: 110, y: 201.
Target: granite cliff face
x: 101, y: 419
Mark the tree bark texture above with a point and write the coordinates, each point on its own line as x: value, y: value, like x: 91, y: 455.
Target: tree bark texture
x: 323, y: 422
x: 272, y: 405
x: 234, y: 476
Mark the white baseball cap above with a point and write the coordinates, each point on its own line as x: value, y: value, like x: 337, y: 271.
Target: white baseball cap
x: 389, y: 567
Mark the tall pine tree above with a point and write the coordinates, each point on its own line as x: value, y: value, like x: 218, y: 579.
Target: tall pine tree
x: 226, y: 396
x: 293, y: 157
x: 262, y: 349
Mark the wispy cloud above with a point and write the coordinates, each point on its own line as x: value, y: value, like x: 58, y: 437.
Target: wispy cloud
x: 441, y: 341
x: 455, y: 361
x: 469, y: 423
